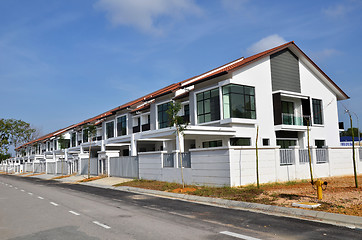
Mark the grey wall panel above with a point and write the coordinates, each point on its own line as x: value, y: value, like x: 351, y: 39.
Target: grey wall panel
x: 285, y: 71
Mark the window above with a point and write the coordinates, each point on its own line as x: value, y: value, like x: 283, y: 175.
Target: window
x: 240, y: 141
x: 286, y: 143
x: 209, y: 144
x: 122, y: 126
x: 85, y: 136
x: 208, y: 106
x: 109, y: 129
x: 317, y: 111
x: 186, y: 116
x: 239, y: 101
x: 319, y: 143
x: 266, y: 142
x: 55, y: 144
x: 74, y: 140
x: 163, y: 118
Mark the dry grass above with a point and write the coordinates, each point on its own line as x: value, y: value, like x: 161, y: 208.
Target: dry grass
x: 340, y: 196
x: 36, y: 174
x: 92, y: 178
x: 63, y: 176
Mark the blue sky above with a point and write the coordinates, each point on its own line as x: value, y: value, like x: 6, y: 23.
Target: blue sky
x: 63, y: 61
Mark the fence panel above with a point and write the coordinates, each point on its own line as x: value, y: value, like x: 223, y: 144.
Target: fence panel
x: 287, y: 157
x: 37, y: 167
x: 169, y: 160
x: 42, y: 167
x: 93, y: 166
x: 360, y: 154
x: 186, y: 160
x: 28, y: 167
x: 50, y: 168
x: 322, y: 155
x: 304, y: 156
x: 62, y: 167
x: 124, y: 167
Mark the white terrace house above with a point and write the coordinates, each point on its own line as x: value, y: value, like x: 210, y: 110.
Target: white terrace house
x: 281, y: 91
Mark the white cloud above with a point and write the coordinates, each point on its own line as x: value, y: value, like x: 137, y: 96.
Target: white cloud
x: 337, y: 10
x: 324, y: 54
x: 234, y: 5
x: 266, y: 43
x: 145, y: 14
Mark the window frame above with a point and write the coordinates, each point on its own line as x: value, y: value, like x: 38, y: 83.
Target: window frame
x: 203, y: 91
x: 105, y: 126
x: 126, y: 124
x: 250, y: 111
x: 317, y: 113
x: 157, y: 114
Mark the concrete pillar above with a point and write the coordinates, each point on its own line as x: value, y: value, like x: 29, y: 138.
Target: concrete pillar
x: 56, y: 165
x: 133, y: 146
x: 66, y: 159
x: 180, y: 143
x: 103, y: 146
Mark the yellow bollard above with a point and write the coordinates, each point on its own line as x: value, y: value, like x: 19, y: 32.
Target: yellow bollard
x: 319, y: 184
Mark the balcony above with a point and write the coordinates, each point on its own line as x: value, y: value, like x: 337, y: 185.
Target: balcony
x: 291, y: 119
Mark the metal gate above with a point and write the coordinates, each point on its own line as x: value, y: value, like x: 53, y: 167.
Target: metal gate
x: 93, y: 166
x: 124, y: 167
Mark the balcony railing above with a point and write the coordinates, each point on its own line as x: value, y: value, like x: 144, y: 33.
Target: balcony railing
x: 146, y: 127
x: 291, y: 119
x: 136, y: 129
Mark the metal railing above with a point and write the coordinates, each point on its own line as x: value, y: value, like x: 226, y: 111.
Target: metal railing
x: 287, y: 157
x: 321, y: 155
x: 304, y: 156
x: 186, y: 160
x: 168, y: 160
x: 291, y: 119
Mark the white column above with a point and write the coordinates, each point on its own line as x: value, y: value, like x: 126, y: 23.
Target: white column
x: 66, y: 159
x: 56, y: 165
x: 180, y: 143
x: 103, y: 146
x: 133, y: 146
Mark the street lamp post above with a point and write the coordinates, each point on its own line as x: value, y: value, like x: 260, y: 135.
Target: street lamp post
x: 359, y: 137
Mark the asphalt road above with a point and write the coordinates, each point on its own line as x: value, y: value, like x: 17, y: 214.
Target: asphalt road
x: 32, y: 208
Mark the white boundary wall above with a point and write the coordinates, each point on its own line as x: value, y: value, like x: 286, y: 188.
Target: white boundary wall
x: 236, y: 166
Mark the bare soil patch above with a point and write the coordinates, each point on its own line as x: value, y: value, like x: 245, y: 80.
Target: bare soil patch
x: 340, y: 196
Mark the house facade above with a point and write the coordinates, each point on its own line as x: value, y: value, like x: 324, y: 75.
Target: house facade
x: 281, y: 92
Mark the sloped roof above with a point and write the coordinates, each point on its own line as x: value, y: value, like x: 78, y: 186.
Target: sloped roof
x: 224, y: 69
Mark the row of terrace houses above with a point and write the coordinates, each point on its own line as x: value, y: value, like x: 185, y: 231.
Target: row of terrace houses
x: 281, y: 91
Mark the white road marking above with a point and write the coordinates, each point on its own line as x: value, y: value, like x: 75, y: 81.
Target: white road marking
x: 40, y: 197
x: 75, y: 213
x: 53, y: 203
x: 22, y: 190
x: 237, y: 235
x: 102, y: 225
x: 10, y: 185
x: 15, y: 187
x: 30, y: 193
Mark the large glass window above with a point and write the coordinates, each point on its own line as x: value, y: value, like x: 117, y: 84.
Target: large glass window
x: 209, y: 144
x: 239, y: 101
x: 208, y: 106
x: 317, y: 111
x: 163, y: 118
x: 240, y: 141
x: 85, y: 136
x: 74, y: 139
x: 109, y: 129
x: 121, y: 126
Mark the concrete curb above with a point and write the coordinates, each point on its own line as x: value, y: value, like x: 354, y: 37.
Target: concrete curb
x: 311, y: 215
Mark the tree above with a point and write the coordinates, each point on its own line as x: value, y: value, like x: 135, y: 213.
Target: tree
x: 349, y: 132
x: 178, y: 122
x: 91, y: 131
x: 63, y: 144
x: 14, y: 132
